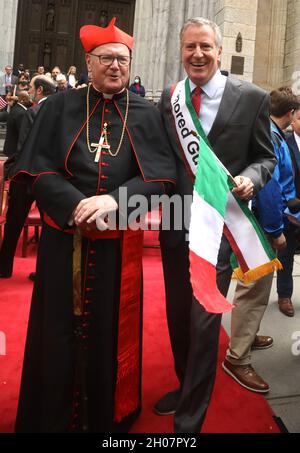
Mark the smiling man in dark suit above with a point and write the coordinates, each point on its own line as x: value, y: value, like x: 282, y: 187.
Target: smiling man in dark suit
x: 235, y: 118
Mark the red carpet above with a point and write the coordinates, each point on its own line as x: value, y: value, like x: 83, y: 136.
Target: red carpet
x: 232, y: 410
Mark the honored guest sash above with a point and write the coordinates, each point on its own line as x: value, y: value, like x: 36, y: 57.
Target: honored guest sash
x: 215, y: 211
x: 186, y: 123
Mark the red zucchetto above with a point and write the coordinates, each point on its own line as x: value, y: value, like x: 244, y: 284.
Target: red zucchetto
x: 92, y: 36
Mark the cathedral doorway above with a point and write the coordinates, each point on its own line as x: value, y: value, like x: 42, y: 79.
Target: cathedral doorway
x: 48, y: 30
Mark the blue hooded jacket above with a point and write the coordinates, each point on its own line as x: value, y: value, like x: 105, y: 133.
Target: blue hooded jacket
x: 270, y: 202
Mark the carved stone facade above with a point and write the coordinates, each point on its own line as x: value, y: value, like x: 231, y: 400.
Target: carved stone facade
x: 261, y: 37
x: 48, y: 30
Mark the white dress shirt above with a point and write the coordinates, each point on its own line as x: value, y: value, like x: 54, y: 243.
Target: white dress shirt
x: 23, y: 106
x: 297, y: 138
x: 42, y: 100
x: 72, y: 80
x: 211, y: 96
x: 8, y: 79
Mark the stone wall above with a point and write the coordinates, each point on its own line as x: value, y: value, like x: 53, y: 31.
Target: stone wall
x: 234, y: 17
x: 8, y: 21
x: 291, y: 67
x: 270, y: 43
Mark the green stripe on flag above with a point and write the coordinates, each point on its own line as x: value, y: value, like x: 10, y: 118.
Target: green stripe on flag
x: 216, y: 194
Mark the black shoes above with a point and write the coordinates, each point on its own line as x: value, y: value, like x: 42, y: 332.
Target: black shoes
x: 31, y: 276
x: 167, y: 404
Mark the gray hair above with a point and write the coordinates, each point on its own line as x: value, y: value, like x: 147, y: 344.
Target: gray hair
x: 198, y: 22
x: 45, y: 82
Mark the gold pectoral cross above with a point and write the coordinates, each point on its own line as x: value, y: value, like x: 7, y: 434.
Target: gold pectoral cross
x: 101, y: 145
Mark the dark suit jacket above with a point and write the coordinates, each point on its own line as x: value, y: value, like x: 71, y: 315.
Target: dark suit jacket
x: 295, y: 155
x: 27, y: 121
x: 240, y: 137
x: 13, y: 127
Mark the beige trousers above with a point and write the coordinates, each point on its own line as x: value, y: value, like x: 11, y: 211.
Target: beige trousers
x: 250, y: 303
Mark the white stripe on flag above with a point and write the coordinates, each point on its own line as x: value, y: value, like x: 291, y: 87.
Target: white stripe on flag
x: 244, y: 234
x: 206, y: 230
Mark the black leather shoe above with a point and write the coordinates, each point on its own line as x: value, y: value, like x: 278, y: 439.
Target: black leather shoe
x: 31, y: 276
x: 167, y: 404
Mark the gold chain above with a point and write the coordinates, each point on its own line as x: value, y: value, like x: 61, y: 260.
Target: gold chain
x: 113, y: 154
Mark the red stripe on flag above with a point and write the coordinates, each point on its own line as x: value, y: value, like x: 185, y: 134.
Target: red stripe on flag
x: 3, y: 103
x: 204, y: 282
x: 236, y: 250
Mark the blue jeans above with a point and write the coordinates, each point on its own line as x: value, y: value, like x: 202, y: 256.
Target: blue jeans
x: 286, y: 256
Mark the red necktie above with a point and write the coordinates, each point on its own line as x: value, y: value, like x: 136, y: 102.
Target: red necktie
x: 196, y: 99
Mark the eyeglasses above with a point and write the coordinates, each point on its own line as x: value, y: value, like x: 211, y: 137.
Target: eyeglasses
x: 107, y: 60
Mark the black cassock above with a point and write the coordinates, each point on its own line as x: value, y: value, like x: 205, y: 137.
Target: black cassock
x: 69, y: 381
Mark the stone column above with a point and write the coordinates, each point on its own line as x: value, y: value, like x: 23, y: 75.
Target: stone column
x: 8, y: 23
x: 152, y: 33
x: 200, y: 8
x: 234, y: 17
x: 291, y: 73
x: 197, y: 8
x: 270, y: 43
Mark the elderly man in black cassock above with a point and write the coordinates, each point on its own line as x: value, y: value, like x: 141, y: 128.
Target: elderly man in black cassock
x: 82, y: 365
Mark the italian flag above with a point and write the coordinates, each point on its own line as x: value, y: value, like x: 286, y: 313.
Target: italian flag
x: 215, y: 209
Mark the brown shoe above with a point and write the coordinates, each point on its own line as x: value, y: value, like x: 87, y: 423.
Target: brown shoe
x: 262, y: 342
x: 246, y: 376
x: 286, y: 306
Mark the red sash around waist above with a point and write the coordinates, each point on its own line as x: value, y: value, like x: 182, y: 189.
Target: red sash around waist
x: 91, y: 234
x: 127, y: 385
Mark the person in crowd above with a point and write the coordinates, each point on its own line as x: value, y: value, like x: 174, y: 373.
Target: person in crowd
x: 23, y: 83
x: 250, y: 301
x: 137, y: 87
x: 286, y: 256
x: 20, y: 197
x: 19, y: 105
x: 27, y: 73
x: 88, y: 148
x: 83, y: 80
x: 11, y: 100
x: 41, y: 70
x: 23, y: 78
x: 54, y: 73
x: 14, y: 122
x: 72, y: 76
x: 7, y: 81
x: 62, y: 83
x: 20, y: 70
x: 235, y: 117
